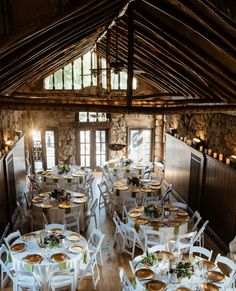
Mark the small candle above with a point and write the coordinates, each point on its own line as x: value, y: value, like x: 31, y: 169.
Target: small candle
x: 185, y: 139
x: 215, y: 155
x: 190, y: 142
x: 227, y: 161
x: 209, y: 152
x: 206, y: 151
x: 182, y: 138
x: 0, y: 154
x: 6, y: 149
x: 177, y: 135
x: 221, y: 157
x: 201, y: 148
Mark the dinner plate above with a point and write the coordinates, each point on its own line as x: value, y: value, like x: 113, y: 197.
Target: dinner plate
x: 45, y: 205
x: 144, y: 273
x: 122, y: 188
x: 28, y: 236
x: 155, y: 183
x: 156, y: 223
x: 64, y: 205
x: 134, y: 214
x: 74, y: 237
x: 173, y: 223
x: 163, y: 255
x: 183, y: 289
x: 19, y: 247
x: 55, y: 230
x: 80, y: 200
x: 44, y: 194
x: 59, y: 257
x: 155, y: 285
x: 182, y: 213
x: 155, y: 187
x: 134, y: 190
x: 139, y: 208
x: 76, y: 248
x: 215, y: 276
x: 141, y: 220
x: 77, y: 194
x: 77, y: 175
x: 146, y: 190
x: 33, y: 259
x: 208, y: 287
x: 37, y: 200
x: 208, y: 265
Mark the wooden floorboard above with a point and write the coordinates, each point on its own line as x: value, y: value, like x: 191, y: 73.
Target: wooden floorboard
x: 112, y: 257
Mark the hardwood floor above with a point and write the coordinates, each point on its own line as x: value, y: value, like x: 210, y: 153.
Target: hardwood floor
x: 112, y: 257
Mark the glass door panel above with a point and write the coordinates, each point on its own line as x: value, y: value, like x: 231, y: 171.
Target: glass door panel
x: 85, y: 148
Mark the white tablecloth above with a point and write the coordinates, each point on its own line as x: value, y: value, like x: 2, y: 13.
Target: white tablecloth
x: 44, y: 269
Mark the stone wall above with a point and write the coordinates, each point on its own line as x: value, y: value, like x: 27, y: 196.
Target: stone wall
x: 217, y: 130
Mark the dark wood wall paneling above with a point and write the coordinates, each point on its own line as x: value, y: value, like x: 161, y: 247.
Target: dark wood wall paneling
x: 206, y: 184
x: 12, y: 183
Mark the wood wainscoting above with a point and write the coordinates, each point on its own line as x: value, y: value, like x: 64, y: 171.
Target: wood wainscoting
x: 206, y: 184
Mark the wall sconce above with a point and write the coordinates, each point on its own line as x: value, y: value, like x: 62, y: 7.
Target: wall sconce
x: 172, y: 131
x: 198, y: 143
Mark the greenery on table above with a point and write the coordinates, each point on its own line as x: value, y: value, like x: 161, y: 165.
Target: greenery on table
x: 63, y: 168
x: 126, y: 162
x: 153, y: 210
x: 183, y: 269
x: 53, y: 240
x: 150, y: 259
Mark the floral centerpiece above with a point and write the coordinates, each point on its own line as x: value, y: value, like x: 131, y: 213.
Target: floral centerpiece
x: 126, y: 162
x: 153, y: 210
x: 183, y: 270
x: 53, y: 240
x: 150, y: 259
x: 63, y: 168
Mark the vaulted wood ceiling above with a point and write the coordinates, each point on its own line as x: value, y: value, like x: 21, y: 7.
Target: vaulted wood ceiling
x: 185, y: 49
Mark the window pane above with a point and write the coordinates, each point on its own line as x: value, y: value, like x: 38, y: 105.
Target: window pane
x: 48, y: 82
x: 92, y: 116
x: 87, y: 161
x: 58, y: 80
x: 82, y: 161
x: 87, y: 64
x: 123, y: 80
x: 77, y: 74
x: 83, y: 116
x: 140, y: 145
x: 114, y: 80
x: 87, y: 136
x: 68, y: 77
x: 82, y: 136
x: 50, y: 149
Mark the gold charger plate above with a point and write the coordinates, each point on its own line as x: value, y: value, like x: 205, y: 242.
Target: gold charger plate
x: 122, y: 188
x: 155, y: 187
x: 155, y: 183
x: 64, y: 205
x: 174, y: 209
x: 183, y: 289
x: 173, y: 223
x: 59, y: 257
x: 182, y: 219
x: 187, y: 256
x: 139, y: 208
x: 134, y: 214
x: 74, y: 237
x: 19, y: 247
x: 55, y: 230
x: 28, y: 236
x: 208, y: 265
x: 144, y: 273
x: 163, y: 255
x: 215, y: 276
x: 182, y: 213
x: 208, y: 287
x: 156, y: 223
x: 77, y: 194
x: 141, y: 220
x: 134, y: 190
x: 146, y: 189
x: 37, y: 200
x: 155, y: 285
x: 33, y: 259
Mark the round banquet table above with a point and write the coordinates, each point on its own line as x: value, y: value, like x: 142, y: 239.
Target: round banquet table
x: 55, y: 211
x: 173, y: 224
x: 205, y: 275
x: 43, y: 269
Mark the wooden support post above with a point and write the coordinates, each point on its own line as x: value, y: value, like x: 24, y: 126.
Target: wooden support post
x: 108, y: 57
x: 130, y: 53
x: 99, y: 78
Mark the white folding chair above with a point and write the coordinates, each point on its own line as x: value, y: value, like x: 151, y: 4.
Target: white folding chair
x: 91, y: 267
x: 180, y: 205
x: 199, y: 238
x: 71, y: 221
x: 158, y: 248
x: 119, y: 230
x: 153, y: 238
x: 54, y: 225
x: 184, y: 242
x: 224, y: 263
x: 131, y: 239
x: 133, y: 263
x: 166, y: 195
x: 124, y: 281
x: 6, y: 266
x: 92, y: 212
x: 194, y: 220
x: 62, y: 279
x: 127, y: 205
x: 11, y: 238
x: 201, y: 251
x: 26, y: 280
x: 104, y: 198
x: 95, y: 242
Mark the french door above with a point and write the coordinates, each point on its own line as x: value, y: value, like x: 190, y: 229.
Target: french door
x: 92, y: 150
